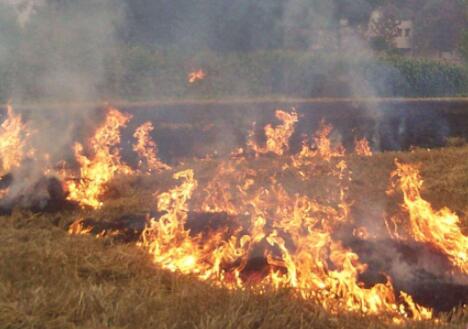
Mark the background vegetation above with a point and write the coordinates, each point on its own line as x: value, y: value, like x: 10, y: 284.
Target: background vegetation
x: 142, y: 73
x: 144, y: 49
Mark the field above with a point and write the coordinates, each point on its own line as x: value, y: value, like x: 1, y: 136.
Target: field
x: 50, y: 279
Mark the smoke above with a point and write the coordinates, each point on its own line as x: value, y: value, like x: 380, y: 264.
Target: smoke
x: 23, y: 8
x: 56, y: 52
x: 61, y: 51
x: 70, y: 51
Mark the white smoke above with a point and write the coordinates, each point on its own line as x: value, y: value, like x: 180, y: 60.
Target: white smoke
x: 24, y: 9
x: 57, y: 53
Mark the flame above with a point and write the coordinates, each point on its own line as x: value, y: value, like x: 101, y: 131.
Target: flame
x: 196, y: 76
x: 105, y: 163
x: 439, y: 228
x: 361, y: 233
x: 277, y: 137
x: 273, y: 238
x: 322, y: 148
x: 77, y: 228
x: 147, y: 149
x: 167, y: 239
x: 13, y: 134
x: 362, y: 148
x: 293, y: 234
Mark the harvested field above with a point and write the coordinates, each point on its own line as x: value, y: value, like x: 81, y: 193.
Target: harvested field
x: 50, y: 279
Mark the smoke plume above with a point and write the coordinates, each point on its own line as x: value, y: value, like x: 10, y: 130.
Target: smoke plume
x: 55, y: 52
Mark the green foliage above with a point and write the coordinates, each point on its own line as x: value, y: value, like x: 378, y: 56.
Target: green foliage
x: 141, y: 74
x: 155, y: 74
x: 463, y: 47
x: 379, y: 43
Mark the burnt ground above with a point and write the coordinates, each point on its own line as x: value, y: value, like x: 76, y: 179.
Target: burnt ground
x: 195, y: 128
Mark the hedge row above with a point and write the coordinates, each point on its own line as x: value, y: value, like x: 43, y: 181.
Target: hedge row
x: 140, y: 73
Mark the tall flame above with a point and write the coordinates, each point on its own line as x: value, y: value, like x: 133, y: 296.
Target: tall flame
x: 362, y: 147
x: 13, y: 133
x: 147, y: 149
x: 167, y: 239
x: 105, y: 163
x: 277, y: 137
x: 439, y: 228
x: 322, y: 148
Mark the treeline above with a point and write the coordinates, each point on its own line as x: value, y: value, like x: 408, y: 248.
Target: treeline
x: 252, y: 25
x: 142, y: 74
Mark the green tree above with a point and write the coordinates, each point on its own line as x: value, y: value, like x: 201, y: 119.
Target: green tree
x: 463, y: 46
x: 438, y: 25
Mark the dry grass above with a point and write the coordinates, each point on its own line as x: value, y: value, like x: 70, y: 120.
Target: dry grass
x: 49, y: 279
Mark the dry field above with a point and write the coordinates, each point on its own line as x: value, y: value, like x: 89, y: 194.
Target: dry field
x: 50, y: 279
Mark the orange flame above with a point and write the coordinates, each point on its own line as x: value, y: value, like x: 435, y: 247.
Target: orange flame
x: 13, y: 134
x: 77, y: 228
x: 97, y: 171
x: 439, y: 228
x: 362, y: 148
x: 166, y: 239
x: 296, y: 235
x: 277, y: 138
x: 292, y: 233
x: 147, y: 149
x: 322, y: 148
x: 196, y: 76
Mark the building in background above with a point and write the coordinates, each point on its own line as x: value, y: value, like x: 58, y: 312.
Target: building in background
x: 387, y: 31
x: 391, y: 32
x: 403, y: 39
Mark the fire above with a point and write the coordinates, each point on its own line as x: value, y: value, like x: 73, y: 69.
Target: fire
x: 322, y: 148
x: 167, y: 239
x: 439, y: 228
x: 293, y: 234
x: 147, y: 149
x: 196, y: 76
x: 269, y: 236
x: 13, y: 134
x: 278, y: 239
x: 77, y: 228
x: 97, y: 170
x: 362, y: 148
x: 277, y: 137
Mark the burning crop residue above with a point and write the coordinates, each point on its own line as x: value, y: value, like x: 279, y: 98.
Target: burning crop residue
x: 441, y: 229
x: 293, y: 239
x: 282, y: 241
x: 13, y: 135
x: 104, y: 164
x: 249, y: 222
x: 362, y: 147
x: 196, y: 76
x: 147, y: 149
x: 321, y: 148
x: 277, y: 137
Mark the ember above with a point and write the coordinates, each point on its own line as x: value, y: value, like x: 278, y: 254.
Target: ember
x: 196, y: 76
